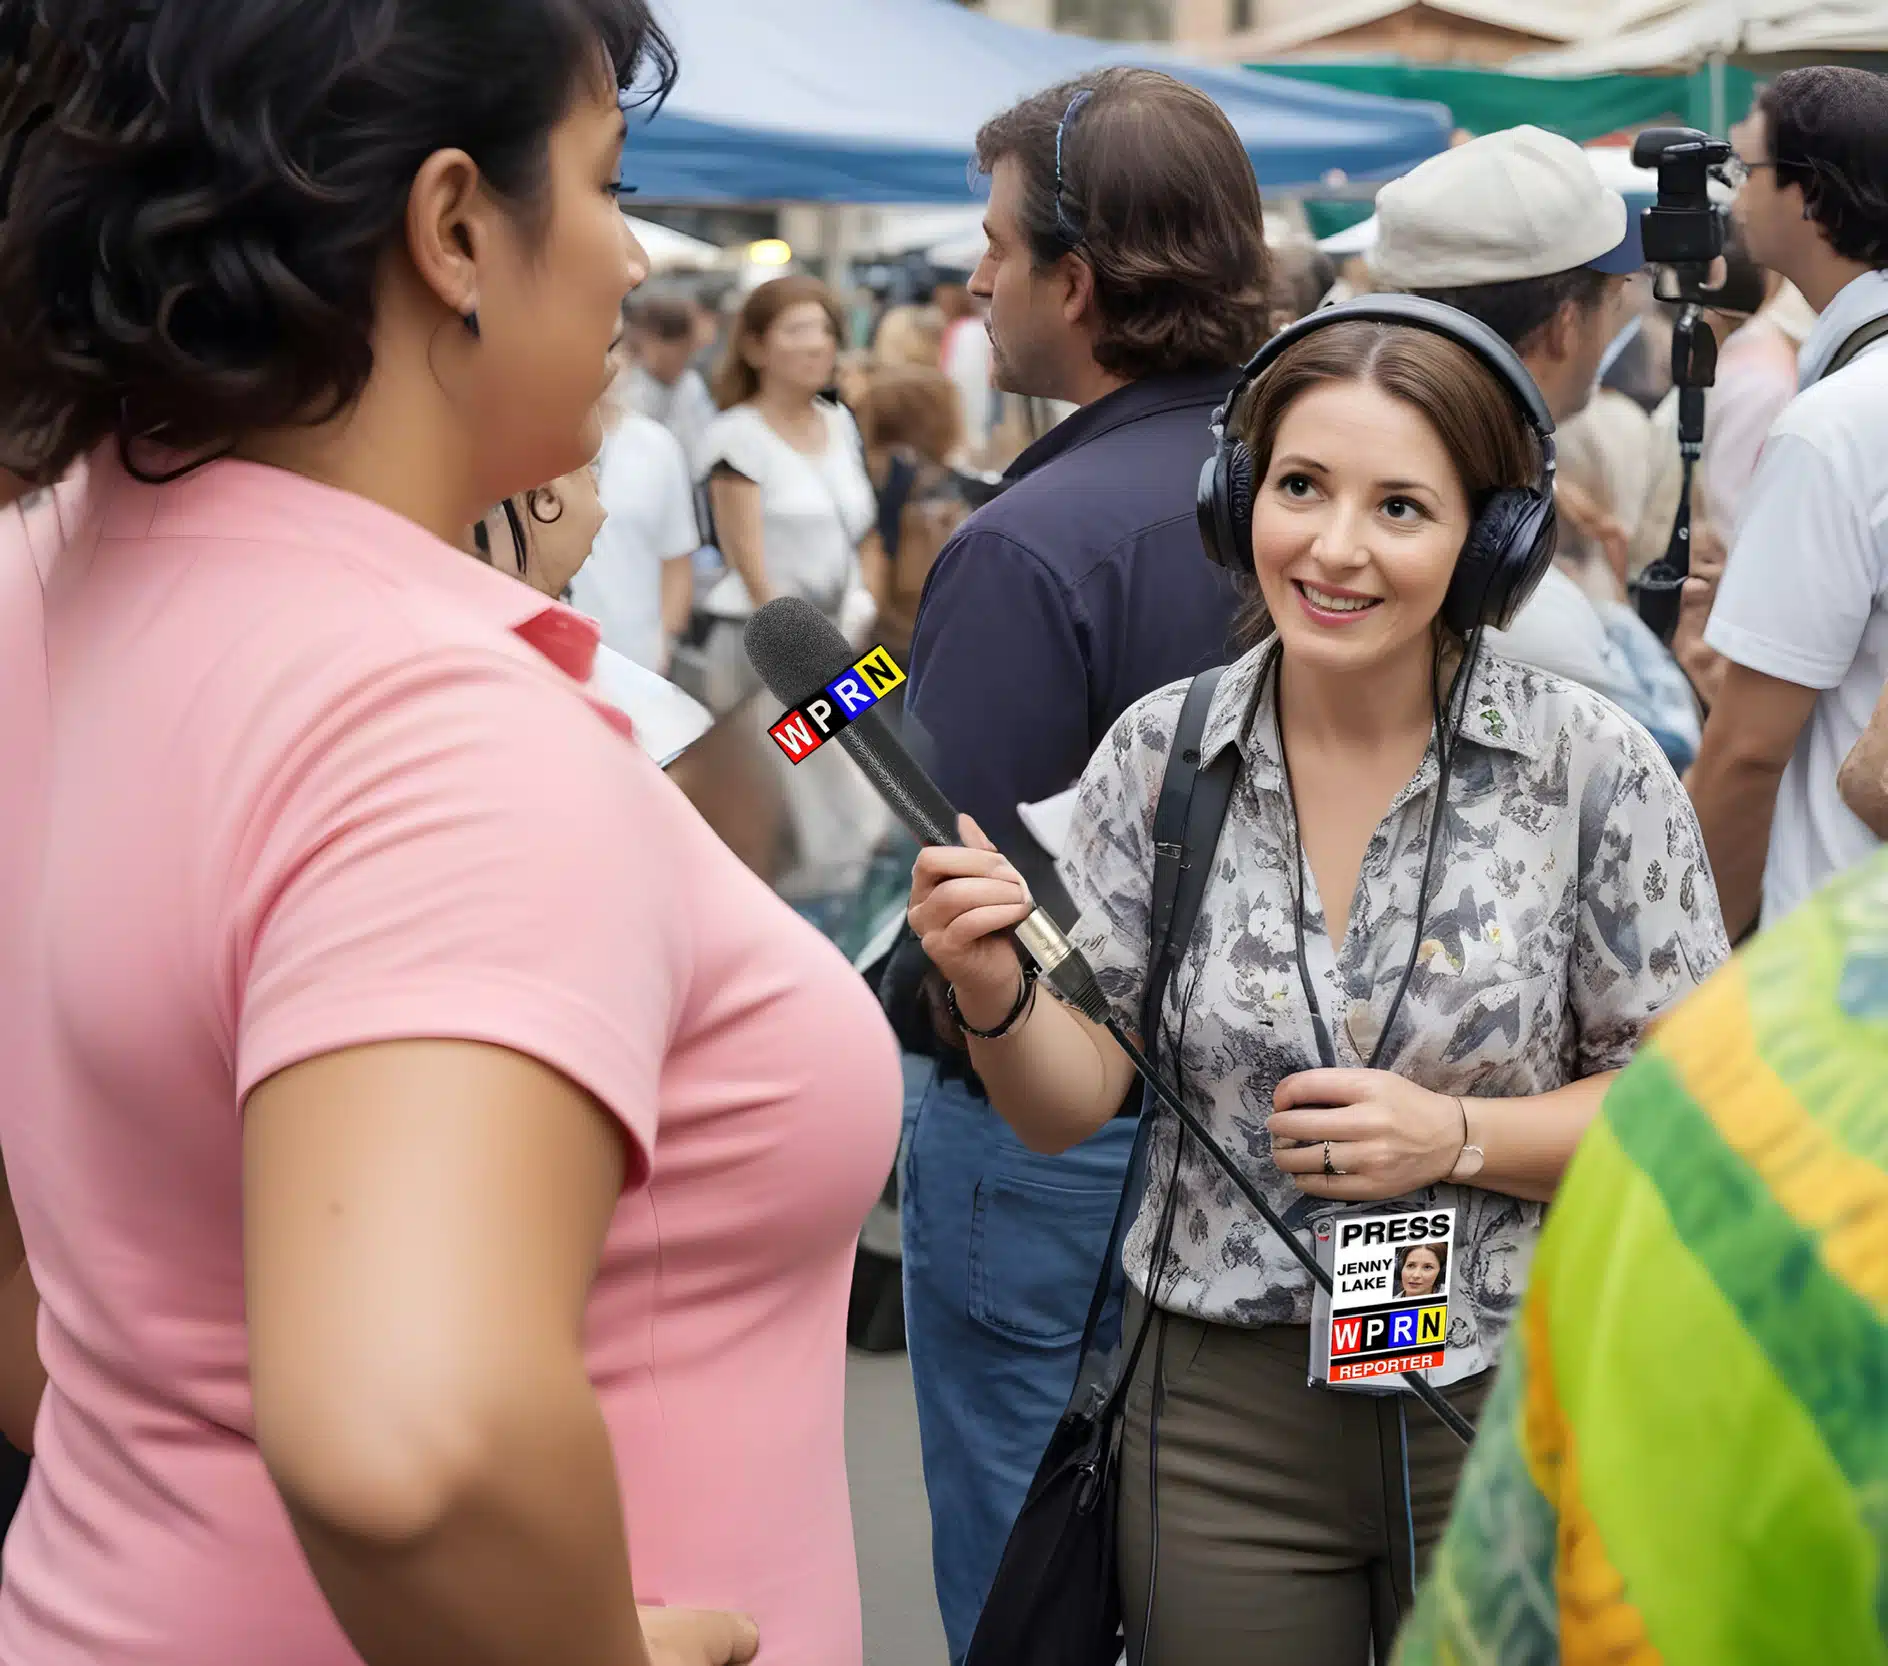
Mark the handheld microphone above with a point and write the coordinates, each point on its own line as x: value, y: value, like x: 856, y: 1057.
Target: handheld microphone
x: 797, y: 651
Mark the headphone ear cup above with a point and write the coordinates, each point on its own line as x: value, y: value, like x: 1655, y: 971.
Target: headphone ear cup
x: 1224, y: 506
x: 1239, y: 506
x: 1508, y: 552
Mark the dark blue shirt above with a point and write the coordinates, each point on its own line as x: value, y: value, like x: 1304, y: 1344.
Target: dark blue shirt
x: 1060, y: 603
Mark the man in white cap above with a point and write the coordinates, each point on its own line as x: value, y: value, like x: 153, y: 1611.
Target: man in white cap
x: 1516, y: 229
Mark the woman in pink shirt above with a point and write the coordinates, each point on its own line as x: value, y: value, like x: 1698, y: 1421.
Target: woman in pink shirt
x: 437, y: 1159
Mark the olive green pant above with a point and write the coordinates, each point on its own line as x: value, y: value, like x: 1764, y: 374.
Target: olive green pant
x: 1283, y: 1531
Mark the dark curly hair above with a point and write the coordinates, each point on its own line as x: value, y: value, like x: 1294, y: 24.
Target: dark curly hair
x: 202, y: 193
x: 1828, y: 133
x: 1159, y: 197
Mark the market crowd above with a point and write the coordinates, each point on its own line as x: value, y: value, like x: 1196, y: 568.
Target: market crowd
x: 451, y: 1052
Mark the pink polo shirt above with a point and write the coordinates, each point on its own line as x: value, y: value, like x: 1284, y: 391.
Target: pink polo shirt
x: 284, y: 774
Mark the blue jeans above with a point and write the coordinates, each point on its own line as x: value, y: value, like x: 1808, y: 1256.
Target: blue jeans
x: 1002, y: 1249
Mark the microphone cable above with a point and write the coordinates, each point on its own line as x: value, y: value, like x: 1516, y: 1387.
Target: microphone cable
x: 1453, y: 1420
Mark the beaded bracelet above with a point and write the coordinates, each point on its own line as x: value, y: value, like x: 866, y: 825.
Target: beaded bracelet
x: 1025, y: 1000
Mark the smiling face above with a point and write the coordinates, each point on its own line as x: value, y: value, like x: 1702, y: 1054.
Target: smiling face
x: 1356, y: 527
x: 1422, y: 1271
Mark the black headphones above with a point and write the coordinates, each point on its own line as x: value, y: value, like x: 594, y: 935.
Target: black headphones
x: 1511, y: 544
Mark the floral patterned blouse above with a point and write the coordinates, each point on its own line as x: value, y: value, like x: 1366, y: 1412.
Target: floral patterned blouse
x: 1571, y: 905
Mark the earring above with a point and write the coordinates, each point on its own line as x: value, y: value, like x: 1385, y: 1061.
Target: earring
x: 471, y: 322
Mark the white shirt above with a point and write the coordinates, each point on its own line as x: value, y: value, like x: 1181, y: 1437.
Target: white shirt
x: 814, y: 510
x: 686, y: 409
x: 966, y: 360
x: 649, y: 505
x: 1804, y: 597
x: 1558, y: 629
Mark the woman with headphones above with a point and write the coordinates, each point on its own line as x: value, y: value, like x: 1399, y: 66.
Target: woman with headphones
x: 1449, y: 896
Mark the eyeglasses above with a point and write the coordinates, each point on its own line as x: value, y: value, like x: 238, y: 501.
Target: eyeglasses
x: 1736, y: 172
x: 1066, y: 225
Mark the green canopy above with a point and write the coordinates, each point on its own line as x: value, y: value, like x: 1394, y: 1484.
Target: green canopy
x: 1583, y: 108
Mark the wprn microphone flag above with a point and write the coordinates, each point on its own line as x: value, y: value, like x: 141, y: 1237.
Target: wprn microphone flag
x: 808, y: 727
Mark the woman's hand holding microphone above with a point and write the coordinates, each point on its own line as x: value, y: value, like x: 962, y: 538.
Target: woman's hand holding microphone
x: 964, y: 900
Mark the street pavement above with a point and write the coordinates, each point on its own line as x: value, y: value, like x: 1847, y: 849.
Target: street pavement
x: 890, y: 1522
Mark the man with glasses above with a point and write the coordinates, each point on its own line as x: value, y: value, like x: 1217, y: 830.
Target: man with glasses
x: 1801, y: 614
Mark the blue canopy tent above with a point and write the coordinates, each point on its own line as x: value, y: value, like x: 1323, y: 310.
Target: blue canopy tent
x: 872, y: 101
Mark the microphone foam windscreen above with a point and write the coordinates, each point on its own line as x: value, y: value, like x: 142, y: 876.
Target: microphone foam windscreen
x: 797, y: 650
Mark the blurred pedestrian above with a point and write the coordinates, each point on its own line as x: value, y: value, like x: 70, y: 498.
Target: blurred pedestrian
x: 366, y: 1000
x: 1801, y: 612
x: 965, y: 358
x: 638, y: 582
x: 790, y: 504
x: 910, y: 335
x: 914, y: 438
x: 1302, y: 275
x: 664, y: 385
x: 1516, y: 229
x: 1125, y: 273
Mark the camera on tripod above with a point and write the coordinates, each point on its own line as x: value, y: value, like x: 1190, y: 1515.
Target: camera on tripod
x: 1684, y: 234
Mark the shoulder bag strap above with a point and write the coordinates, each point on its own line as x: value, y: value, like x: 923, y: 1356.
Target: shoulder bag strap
x: 1866, y: 336
x: 1187, y: 819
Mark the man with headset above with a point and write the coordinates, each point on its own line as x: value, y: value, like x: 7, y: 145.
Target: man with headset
x: 1126, y: 274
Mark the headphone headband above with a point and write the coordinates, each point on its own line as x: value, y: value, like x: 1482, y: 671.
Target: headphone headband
x: 1511, y: 543
x: 1422, y: 314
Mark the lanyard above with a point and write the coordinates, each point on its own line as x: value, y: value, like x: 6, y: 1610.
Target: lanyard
x: 1445, y: 754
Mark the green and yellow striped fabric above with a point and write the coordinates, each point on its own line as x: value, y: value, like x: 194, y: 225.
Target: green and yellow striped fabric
x: 1685, y: 1460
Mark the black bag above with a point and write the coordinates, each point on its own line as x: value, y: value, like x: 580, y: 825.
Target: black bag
x: 1055, y: 1600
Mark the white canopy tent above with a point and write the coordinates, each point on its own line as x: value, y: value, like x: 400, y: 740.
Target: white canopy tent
x: 1282, y: 26
x: 1663, y: 35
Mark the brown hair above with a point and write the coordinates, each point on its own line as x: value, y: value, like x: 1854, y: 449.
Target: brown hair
x: 736, y: 381
x: 909, y: 336
x: 909, y: 405
x: 663, y: 317
x: 1473, y: 412
x: 1163, y: 204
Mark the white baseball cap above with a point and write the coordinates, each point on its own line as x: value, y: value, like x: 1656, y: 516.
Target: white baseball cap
x: 1521, y: 203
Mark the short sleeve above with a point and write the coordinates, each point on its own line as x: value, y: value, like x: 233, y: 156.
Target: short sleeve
x: 738, y: 439
x: 1649, y: 929
x: 1799, y: 585
x: 1108, y: 866
x: 462, y: 849
x: 674, y: 521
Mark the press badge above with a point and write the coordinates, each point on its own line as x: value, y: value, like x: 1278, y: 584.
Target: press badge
x: 1387, y: 1310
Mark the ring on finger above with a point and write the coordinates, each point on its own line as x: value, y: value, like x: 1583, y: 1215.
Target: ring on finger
x: 1330, y: 1167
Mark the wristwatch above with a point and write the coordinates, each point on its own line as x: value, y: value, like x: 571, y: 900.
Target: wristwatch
x: 1469, y: 1163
